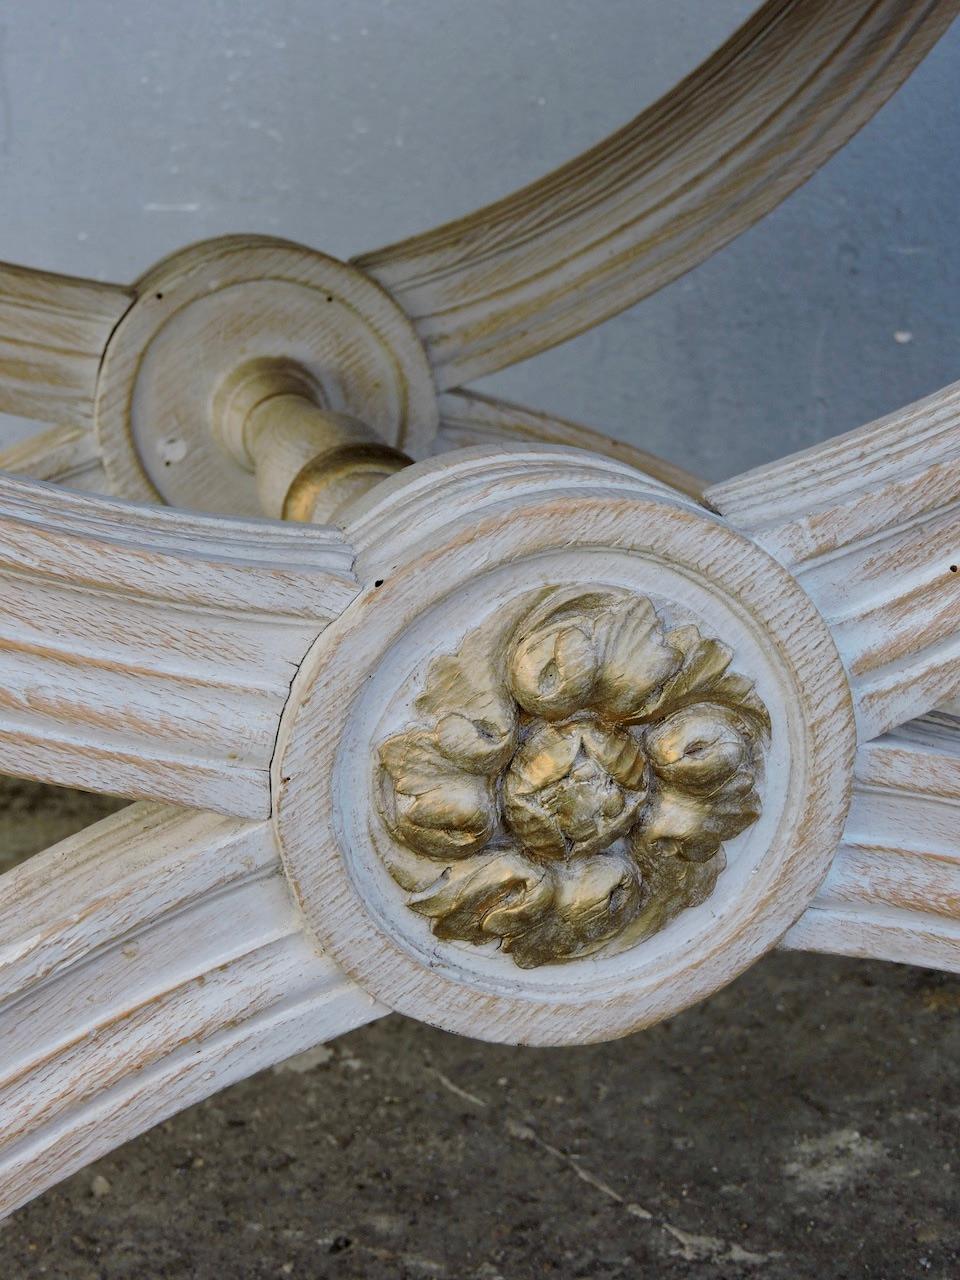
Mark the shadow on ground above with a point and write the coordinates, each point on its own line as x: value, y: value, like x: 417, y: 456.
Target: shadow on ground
x: 803, y: 1123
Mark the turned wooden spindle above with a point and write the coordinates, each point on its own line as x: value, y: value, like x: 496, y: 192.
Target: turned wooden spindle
x: 309, y: 461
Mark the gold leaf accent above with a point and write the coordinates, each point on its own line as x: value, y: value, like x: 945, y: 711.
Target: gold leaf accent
x: 698, y: 747
x: 429, y: 804
x: 506, y: 886
x: 475, y: 716
x: 572, y: 789
x: 634, y: 658
x: 692, y: 826
x: 555, y: 661
x: 581, y: 649
x: 704, y: 676
x: 671, y: 885
x: 594, y: 899
x: 617, y: 757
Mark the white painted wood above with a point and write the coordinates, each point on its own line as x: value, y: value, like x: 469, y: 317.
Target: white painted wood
x: 158, y: 956
x: 468, y: 418
x: 149, y: 653
x: 53, y: 332
x: 145, y: 964
x: 893, y: 891
x: 670, y: 188
x: 870, y: 524
x: 462, y: 540
x: 221, y: 315
x: 63, y: 455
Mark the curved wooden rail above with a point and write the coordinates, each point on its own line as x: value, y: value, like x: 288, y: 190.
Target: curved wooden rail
x: 687, y: 175
x: 149, y: 652
x: 53, y: 333
x: 893, y: 892
x: 145, y: 963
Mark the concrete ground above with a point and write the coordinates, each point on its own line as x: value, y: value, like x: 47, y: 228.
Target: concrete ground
x: 803, y: 1123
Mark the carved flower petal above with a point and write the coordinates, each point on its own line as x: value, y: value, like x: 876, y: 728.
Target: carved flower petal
x: 620, y: 753
x: 535, y: 827
x: 698, y: 747
x: 430, y: 805
x: 572, y: 789
x: 476, y: 719
x: 635, y: 660
x: 704, y: 675
x: 469, y: 892
x: 692, y: 826
x: 546, y: 756
x: 594, y: 899
x: 671, y: 885
x: 554, y: 669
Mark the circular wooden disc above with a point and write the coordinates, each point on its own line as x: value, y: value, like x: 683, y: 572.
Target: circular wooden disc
x: 433, y: 573
x: 202, y: 314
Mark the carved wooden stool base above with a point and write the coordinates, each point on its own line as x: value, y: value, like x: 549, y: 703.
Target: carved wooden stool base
x: 407, y: 779
x: 523, y: 741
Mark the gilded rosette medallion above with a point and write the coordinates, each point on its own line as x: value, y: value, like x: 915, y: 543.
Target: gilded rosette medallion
x: 571, y: 776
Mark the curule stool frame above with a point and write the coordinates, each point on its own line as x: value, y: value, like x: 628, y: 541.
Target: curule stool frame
x: 495, y: 721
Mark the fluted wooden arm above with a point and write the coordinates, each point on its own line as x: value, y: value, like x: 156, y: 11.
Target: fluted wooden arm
x: 869, y: 524
x: 893, y: 891
x: 690, y: 173
x: 149, y: 652
x: 517, y: 730
x: 150, y: 960
x: 53, y: 333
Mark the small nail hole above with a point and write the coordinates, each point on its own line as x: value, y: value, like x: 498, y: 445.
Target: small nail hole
x: 159, y: 297
x: 953, y: 568
x: 378, y: 583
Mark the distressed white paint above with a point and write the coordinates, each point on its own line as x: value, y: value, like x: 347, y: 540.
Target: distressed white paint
x: 893, y: 891
x: 870, y: 524
x: 159, y: 955
x: 148, y: 652
x: 144, y: 964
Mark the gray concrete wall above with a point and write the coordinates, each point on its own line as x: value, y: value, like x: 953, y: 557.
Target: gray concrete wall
x: 128, y: 130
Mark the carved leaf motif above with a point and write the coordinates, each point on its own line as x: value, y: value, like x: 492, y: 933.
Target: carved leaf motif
x: 505, y: 885
x: 430, y: 804
x: 671, y: 885
x: 703, y: 676
x: 693, y: 826
x: 594, y: 900
x: 465, y: 696
x: 634, y: 660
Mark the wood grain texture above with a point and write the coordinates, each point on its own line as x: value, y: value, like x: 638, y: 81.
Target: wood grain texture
x: 650, y: 202
x: 144, y: 964
x: 149, y: 653
x: 53, y: 332
x: 469, y: 538
x: 468, y: 418
x: 870, y: 524
x: 63, y: 455
x: 893, y: 892
x: 221, y: 311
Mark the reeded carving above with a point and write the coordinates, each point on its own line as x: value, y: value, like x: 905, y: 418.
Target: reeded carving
x: 572, y: 777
